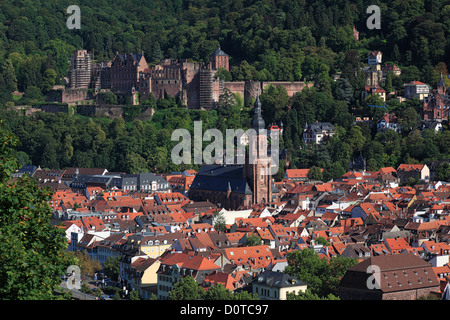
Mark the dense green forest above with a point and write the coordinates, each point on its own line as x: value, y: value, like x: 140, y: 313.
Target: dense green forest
x: 266, y: 40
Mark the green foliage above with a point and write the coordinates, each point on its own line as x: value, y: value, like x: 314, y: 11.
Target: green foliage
x: 321, y: 275
x: 315, y: 173
x: 33, y: 256
x: 110, y: 98
x: 253, y: 240
x: 219, y: 221
x: 112, y: 267
x: 189, y: 289
x: 186, y: 289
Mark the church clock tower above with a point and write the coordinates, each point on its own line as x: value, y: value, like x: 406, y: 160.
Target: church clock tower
x: 257, y: 162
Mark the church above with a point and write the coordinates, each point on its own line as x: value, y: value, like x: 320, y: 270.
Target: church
x: 234, y: 186
x: 436, y: 106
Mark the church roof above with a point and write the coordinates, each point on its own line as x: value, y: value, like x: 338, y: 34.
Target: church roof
x: 220, y: 178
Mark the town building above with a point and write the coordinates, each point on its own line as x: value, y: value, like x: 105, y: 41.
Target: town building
x: 318, y: 132
x: 273, y: 285
x: 370, y: 90
x: 416, y: 89
x: 415, y: 171
x: 175, y: 266
x: 389, y: 277
x: 388, y: 122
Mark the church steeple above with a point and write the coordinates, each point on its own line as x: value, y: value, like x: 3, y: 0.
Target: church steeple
x: 257, y: 165
x: 258, y: 122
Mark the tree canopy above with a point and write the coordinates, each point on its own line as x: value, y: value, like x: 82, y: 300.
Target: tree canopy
x: 33, y: 256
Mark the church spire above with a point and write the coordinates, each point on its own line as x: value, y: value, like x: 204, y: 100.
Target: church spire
x: 258, y: 122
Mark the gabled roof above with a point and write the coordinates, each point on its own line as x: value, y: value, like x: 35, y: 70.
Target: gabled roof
x: 220, y: 277
x: 255, y: 256
x: 396, y: 245
x: 398, y: 272
x: 379, y: 249
x: 189, y: 261
x: 297, y: 173
x: 410, y: 167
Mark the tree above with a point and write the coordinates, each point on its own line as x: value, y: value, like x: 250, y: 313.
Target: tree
x: 308, y: 295
x: 343, y: 90
x: 134, y: 295
x: 87, y: 265
x: 49, y: 80
x: 442, y: 172
x: 274, y: 103
x: 110, y: 98
x: 33, y: 94
x: 9, y: 76
x: 135, y: 163
x: 224, y: 74
x: 33, y: 253
x: 186, y: 289
x: 112, y: 267
x: 253, y: 240
x: 315, y: 173
x: 355, y: 139
x: 219, y: 221
x: 309, y: 268
x: 321, y: 275
x: 408, y: 119
x: 332, y: 171
x: 323, y: 241
x: 218, y: 292
x: 157, y: 53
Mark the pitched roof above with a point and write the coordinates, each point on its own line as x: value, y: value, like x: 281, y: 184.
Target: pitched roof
x: 297, y: 173
x: 396, y: 245
x: 255, y: 256
x: 410, y: 167
x: 396, y: 272
x: 189, y: 261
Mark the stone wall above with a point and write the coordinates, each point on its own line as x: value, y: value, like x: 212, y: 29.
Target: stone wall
x: 250, y: 89
x: 291, y: 87
x: 101, y: 111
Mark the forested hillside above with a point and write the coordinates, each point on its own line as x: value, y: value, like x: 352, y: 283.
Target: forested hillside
x: 274, y: 40
x: 267, y: 40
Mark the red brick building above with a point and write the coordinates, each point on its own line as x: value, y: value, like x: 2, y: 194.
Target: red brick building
x: 436, y: 106
x: 396, y: 277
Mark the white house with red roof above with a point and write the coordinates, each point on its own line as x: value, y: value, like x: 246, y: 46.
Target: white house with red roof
x: 388, y: 122
x: 371, y: 90
x: 416, y: 89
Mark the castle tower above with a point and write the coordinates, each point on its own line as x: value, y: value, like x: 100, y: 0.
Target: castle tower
x: 80, y: 73
x: 257, y: 163
x: 219, y: 59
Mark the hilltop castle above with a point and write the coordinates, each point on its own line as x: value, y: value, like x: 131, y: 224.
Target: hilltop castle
x: 194, y: 83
